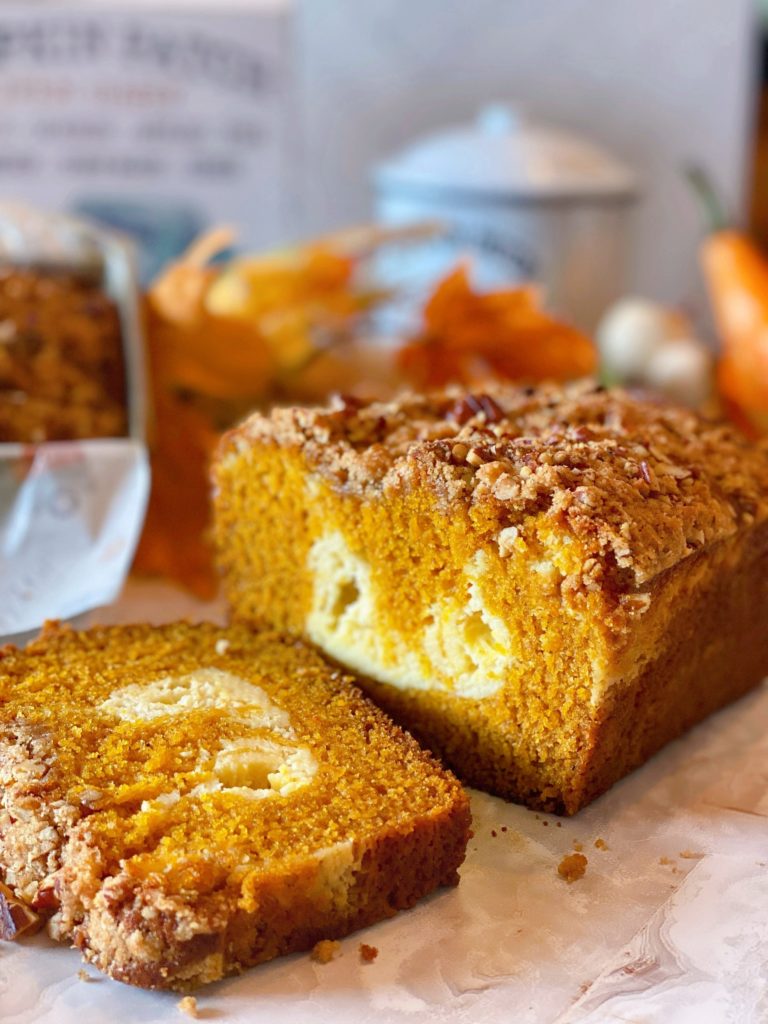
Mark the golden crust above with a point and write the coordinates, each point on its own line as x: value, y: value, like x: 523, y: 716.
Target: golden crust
x: 641, y: 485
x: 169, y: 894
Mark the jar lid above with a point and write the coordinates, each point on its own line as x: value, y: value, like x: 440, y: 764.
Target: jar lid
x: 505, y: 155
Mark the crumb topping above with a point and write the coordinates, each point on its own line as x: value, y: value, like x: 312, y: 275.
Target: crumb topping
x: 325, y: 950
x: 641, y: 485
x: 188, y: 1006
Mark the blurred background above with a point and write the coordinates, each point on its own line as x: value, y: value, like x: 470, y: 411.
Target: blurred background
x: 163, y: 117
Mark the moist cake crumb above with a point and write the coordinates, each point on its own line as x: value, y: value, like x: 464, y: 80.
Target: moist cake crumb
x: 572, y: 867
x: 600, y: 844
x: 325, y: 950
x: 368, y: 953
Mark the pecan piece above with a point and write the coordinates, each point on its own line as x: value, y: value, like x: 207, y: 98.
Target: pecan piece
x: 16, y: 918
x: 47, y: 898
x: 470, y: 406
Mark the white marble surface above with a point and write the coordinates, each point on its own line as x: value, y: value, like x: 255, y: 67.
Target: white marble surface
x: 648, y: 935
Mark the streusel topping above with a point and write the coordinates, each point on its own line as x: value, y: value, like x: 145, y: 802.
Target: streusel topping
x: 640, y: 484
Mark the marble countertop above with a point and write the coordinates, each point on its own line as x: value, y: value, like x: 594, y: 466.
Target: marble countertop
x: 668, y: 924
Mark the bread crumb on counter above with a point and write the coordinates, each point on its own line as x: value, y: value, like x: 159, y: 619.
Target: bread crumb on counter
x: 572, y: 867
x: 691, y: 854
x: 578, y: 847
x: 600, y: 844
x: 188, y: 1005
x: 325, y: 950
x: 368, y: 953
x: 83, y: 975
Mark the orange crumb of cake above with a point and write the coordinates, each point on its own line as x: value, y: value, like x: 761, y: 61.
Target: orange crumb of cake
x: 325, y: 950
x: 600, y: 844
x: 572, y: 867
x: 691, y: 854
x: 368, y: 953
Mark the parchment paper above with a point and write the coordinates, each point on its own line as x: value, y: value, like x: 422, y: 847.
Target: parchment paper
x: 70, y: 515
x: 668, y: 925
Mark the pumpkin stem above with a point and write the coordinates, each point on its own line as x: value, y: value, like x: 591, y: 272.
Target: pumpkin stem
x: 716, y: 216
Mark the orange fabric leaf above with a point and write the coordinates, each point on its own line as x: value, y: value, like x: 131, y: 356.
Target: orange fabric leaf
x: 469, y: 336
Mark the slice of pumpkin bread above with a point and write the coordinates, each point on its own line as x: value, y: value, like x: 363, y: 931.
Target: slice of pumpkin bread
x: 545, y: 585
x: 183, y: 801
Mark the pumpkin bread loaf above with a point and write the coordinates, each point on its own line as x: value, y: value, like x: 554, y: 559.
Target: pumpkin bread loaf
x: 183, y: 801
x: 544, y: 585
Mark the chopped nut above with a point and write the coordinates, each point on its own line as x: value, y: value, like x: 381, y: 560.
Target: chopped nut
x: 346, y: 403
x: 470, y: 406
x: 368, y: 953
x: 46, y: 899
x: 325, y: 950
x: 16, y: 918
x: 474, y: 458
x: 459, y: 452
x: 572, y: 867
x: 678, y: 472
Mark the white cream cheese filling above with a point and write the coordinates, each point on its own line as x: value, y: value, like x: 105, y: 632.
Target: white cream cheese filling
x: 252, y: 766
x: 464, y: 647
